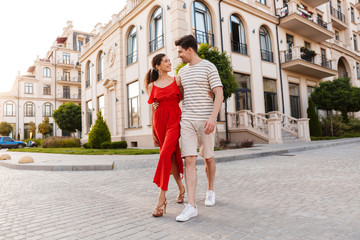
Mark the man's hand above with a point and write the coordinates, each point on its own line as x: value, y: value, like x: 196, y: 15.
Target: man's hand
x: 155, y: 105
x: 210, y: 125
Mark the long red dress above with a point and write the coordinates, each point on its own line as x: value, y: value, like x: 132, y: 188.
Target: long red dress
x: 166, y: 124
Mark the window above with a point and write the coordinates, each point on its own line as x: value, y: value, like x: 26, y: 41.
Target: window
x: 29, y: 88
x: 100, y: 66
x: 79, y: 76
x: 101, y: 105
x: 88, y: 74
x: 310, y: 89
x: 270, y: 95
x: 80, y: 43
x: 133, y: 104
x: 29, y: 110
x: 202, y: 24
x: 9, y: 109
x: 88, y: 115
x: 243, y: 93
x: 131, y: 47
x: 156, y: 30
x: 47, y: 110
x: 265, y: 45
x: 337, y: 35
x: 289, y: 44
x: 46, y: 72
x: 66, y: 75
x: 352, y: 15
x: 355, y: 42
x: 358, y: 70
x: 238, y: 41
x: 324, y: 61
x: 66, y: 58
x: 79, y: 93
x: 294, y: 100
x: 47, y: 90
x: 262, y: 1
x: 66, y: 92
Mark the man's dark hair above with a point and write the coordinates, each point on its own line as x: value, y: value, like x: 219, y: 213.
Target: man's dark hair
x: 186, y: 42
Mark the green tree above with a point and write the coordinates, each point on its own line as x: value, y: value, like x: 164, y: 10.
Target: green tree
x: 5, y: 128
x: 223, y: 65
x: 314, y: 123
x: 354, y: 100
x: 44, y: 127
x: 68, y: 117
x: 99, y: 133
x: 32, y: 129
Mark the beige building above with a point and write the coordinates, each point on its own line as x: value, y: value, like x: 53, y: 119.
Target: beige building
x: 280, y: 50
x: 50, y: 82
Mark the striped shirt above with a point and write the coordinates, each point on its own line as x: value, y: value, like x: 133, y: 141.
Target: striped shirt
x: 197, y: 81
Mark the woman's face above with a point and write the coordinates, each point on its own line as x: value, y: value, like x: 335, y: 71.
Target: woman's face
x: 165, y: 65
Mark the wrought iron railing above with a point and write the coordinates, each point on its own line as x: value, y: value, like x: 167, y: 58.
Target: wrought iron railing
x: 99, y: 76
x: 239, y: 47
x: 204, y: 37
x: 267, y: 56
x: 131, y: 58
x: 156, y: 43
x: 321, y: 23
x: 339, y: 15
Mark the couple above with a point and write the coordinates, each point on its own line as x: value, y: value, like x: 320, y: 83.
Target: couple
x: 194, y: 85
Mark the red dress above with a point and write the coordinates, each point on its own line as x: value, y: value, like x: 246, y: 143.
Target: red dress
x: 166, y: 124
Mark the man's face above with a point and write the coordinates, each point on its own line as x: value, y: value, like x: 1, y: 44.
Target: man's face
x: 185, y: 55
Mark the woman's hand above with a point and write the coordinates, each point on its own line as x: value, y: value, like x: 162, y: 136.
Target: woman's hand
x: 156, y: 141
x: 155, y: 105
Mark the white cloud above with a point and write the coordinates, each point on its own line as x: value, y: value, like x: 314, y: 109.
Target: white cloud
x: 28, y: 28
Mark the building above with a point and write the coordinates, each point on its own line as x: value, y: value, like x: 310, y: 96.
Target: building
x: 50, y: 82
x: 280, y: 50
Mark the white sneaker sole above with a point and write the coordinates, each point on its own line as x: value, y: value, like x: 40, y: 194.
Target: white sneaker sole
x: 185, y: 220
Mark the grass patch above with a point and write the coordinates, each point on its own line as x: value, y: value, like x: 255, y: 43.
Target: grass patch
x: 84, y: 151
x: 346, y: 135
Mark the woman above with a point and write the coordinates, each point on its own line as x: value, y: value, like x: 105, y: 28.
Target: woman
x: 166, y: 127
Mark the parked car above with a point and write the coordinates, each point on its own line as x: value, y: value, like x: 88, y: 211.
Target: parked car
x: 8, y: 142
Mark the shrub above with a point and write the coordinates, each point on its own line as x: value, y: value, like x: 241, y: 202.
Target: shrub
x: 339, y: 127
x: 314, y: 123
x: 38, y: 142
x: 114, y: 145
x: 86, y: 145
x: 354, y: 124
x: 61, y: 142
x: 99, y: 133
x: 247, y: 143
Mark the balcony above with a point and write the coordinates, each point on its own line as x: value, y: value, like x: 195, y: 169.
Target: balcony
x: 357, y: 5
x: 296, y: 18
x: 315, y: 3
x: 338, y: 19
x: 65, y: 63
x: 65, y: 97
x: 67, y: 81
x: 239, y: 47
x: 204, y: 37
x: 307, y: 62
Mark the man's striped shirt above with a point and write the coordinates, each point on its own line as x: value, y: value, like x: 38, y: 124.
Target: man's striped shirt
x: 197, y: 81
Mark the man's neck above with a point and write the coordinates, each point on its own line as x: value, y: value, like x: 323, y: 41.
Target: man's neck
x: 195, y: 60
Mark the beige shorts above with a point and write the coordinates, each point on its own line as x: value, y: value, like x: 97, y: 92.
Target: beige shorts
x: 192, y: 135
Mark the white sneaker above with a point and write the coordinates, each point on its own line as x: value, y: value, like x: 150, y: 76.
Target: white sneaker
x: 210, y: 198
x: 188, y: 212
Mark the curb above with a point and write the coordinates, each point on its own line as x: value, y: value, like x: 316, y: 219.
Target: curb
x: 97, y: 167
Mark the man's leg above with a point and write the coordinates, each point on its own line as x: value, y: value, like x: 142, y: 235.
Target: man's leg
x: 210, y: 168
x: 191, y: 178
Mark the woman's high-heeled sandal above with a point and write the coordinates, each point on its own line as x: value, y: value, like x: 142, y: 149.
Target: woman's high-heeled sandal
x: 180, y: 197
x: 158, y: 211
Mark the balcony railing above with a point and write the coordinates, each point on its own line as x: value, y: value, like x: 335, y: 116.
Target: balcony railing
x: 132, y: 58
x: 203, y: 37
x: 337, y: 14
x: 69, y: 79
x: 67, y: 95
x: 157, y: 43
x: 239, y: 47
x: 304, y: 13
x: 267, y: 56
x: 87, y: 83
x: 99, y: 76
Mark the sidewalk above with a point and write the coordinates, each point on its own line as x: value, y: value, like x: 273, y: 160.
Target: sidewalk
x: 65, y: 162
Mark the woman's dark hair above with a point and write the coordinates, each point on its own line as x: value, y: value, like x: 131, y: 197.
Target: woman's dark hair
x: 153, y: 74
x: 186, y: 42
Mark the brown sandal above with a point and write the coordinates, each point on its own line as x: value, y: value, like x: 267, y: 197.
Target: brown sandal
x: 158, y: 211
x: 180, y: 197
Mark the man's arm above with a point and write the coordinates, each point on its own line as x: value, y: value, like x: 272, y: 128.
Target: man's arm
x: 210, y: 124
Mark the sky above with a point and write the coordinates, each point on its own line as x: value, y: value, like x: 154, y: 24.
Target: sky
x: 29, y: 27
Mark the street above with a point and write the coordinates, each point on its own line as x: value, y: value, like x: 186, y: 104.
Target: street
x: 304, y: 195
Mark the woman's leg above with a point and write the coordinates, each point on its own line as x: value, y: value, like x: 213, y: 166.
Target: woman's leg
x: 176, y: 174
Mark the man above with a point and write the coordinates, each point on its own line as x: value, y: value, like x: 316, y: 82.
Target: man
x: 198, y: 120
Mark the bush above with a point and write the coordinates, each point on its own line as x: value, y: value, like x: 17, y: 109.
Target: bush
x: 61, y: 142
x: 314, y: 123
x: 38, y: 142
x: 86, y: 145
x: 247, y: 143
x: 354, y: 124
x: 339, y: 126
x: 114, y: 145
x: 99, y: 133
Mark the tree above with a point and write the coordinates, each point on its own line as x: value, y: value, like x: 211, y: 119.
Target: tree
x: 223, y: 65
x: 44, y: 127
x: 5, y: 128
x: 32, y: 129
x: 314, y: 123
x: 99, y: 133
x: 68, y: 117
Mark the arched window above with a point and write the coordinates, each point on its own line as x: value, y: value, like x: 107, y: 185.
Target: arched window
x: 88, y: 74
x: 202, y: 23
x: 9, y: 109
x: 47, y: 110
x: 131, y: 47
x: 29, y: 109
x: 100, y: 66
x: 156, y: 30
x: 265, y: 45
x: 47, y: 72
x: 238, y: 41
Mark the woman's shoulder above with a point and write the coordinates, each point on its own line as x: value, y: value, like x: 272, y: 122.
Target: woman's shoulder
x: 177, y: 79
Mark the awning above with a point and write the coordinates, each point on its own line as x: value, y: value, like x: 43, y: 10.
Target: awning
x: 31, y: 69
x: 61, y: 39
